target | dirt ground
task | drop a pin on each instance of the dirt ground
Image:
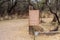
(18, 29)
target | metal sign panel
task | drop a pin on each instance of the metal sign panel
(33, 17)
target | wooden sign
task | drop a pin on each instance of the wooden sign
(33, 17)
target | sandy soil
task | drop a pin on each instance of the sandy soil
(18, 30)
(14, 30)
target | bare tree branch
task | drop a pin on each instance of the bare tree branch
(52, 11)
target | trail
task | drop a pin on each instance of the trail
(18, 30)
